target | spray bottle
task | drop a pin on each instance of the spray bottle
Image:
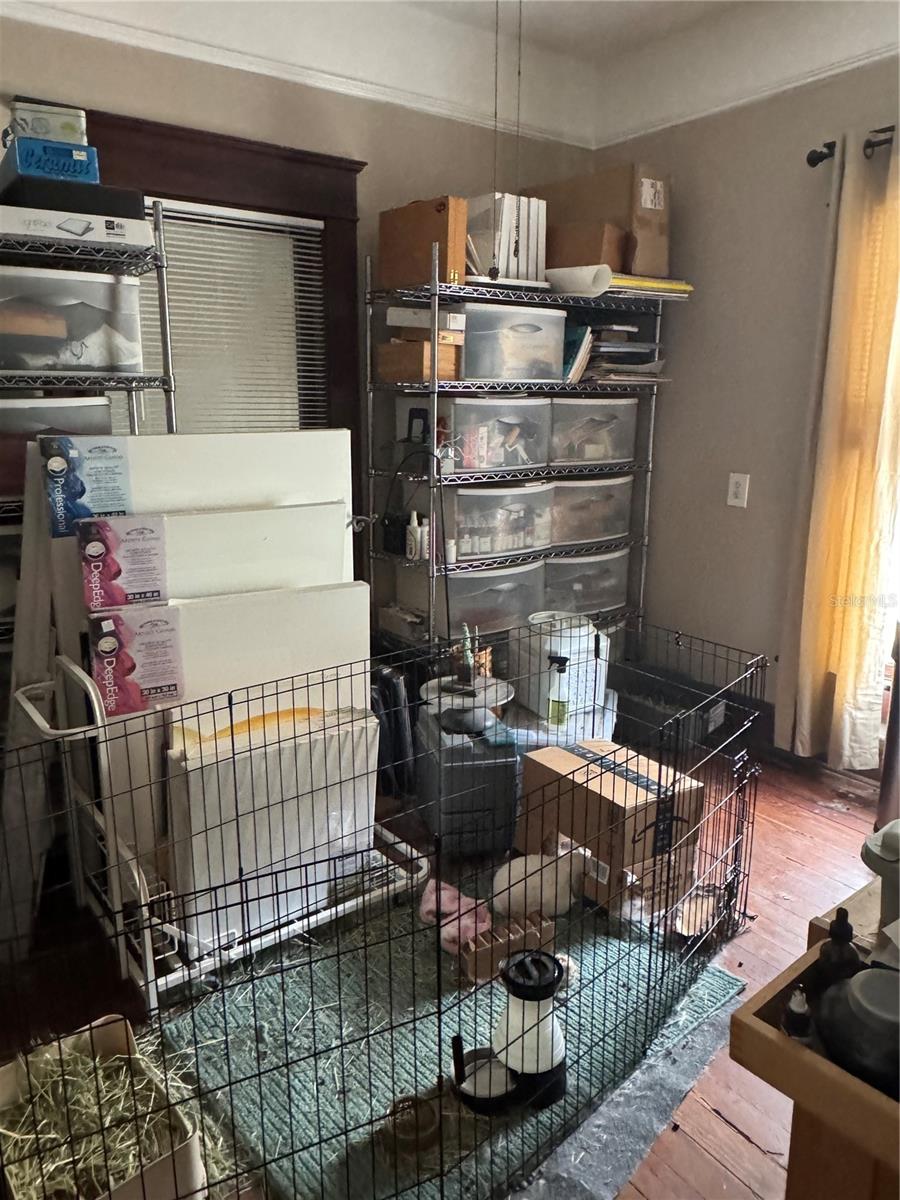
(558, 699)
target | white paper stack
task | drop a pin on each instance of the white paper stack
(258, 806)
(509, 232)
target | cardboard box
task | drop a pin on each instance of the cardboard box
(406, 235)
(410, 362)
(587, 243)
(625, 808)
(179, 1173)
(93, 229)
(633, 196)
(445, 337)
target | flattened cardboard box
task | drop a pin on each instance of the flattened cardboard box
(625, 808)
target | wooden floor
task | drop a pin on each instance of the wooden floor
(729, 1138)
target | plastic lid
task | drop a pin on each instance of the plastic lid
(874, 997)
(531, 974)
(886, 842)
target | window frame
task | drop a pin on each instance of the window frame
(196, 166)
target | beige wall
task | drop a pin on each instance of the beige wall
(410, 154)
(748, 230)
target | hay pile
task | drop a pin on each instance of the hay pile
(85, 1125)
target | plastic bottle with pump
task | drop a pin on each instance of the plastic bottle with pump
(412, 536)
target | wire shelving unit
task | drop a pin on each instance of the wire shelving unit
(436, 473)
(112, 260)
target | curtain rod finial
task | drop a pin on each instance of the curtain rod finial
(814, 157)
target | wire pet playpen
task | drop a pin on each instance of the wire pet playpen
(338, 980)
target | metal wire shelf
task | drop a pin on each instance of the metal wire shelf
(11, 510)
(616, 299)
(118, 381)
(517, 475)
(498, 562)
(506, 387)
(117, 260)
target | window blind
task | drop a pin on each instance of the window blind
(246, 306)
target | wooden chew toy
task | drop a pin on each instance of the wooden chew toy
(482, 957)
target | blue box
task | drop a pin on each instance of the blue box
(49, 160)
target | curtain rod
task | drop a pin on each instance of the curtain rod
(877, 138)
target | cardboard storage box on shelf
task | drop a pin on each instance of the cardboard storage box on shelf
(626, 809)
(406, 235)
(178, 1173)
(591, 243)
(92, 229)
(633, 196)
(410, 362)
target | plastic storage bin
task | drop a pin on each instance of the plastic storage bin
(496, 521)
(52, 122)
(589, 510)
(596, 583)
(584, 430)
(481, 433)
(492, 600)
(68, 320)
(508, 342)
(466, 788)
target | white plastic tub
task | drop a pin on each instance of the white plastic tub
(492, 601)
(501, 520)
(558, 634)
(590, 510)
(68, 320)
(586, 430)
(597, 583)
(505, 341)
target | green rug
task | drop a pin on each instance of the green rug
(299, 1057)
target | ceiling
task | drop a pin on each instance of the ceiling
(590, 30)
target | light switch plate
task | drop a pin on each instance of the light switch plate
(738, 488)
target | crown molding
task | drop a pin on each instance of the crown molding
(802, 79)
(48, 16)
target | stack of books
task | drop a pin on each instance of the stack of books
(609, 353)
(507, 232)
